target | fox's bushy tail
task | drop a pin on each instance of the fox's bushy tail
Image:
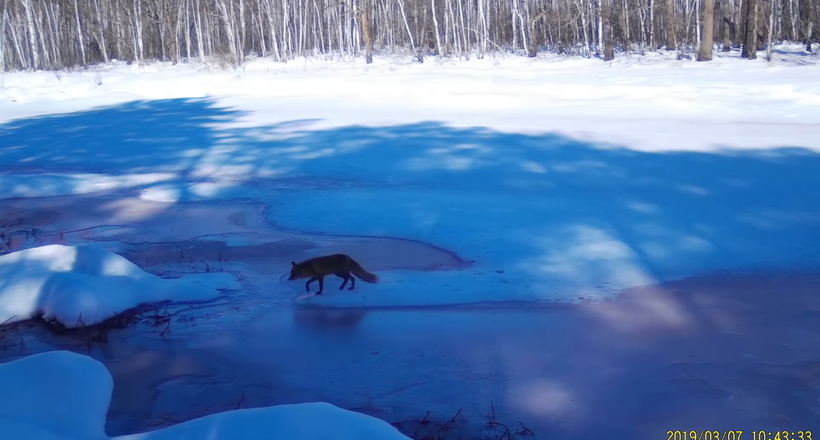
(358, 270)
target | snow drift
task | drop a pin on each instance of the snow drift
(300, 421)
(86, 285)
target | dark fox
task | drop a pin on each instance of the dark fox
(340, 265)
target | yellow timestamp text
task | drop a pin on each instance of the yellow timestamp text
(738, 435)
(704, 435)
(782, 435)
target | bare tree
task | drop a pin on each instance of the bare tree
(3, 38)
(669, 18)
(32, 35)
(750, 30)
(726, 25)
(772, 13)
(708, 33)
(368, 40)
(811, 15)
(606, 30)
(46, 34)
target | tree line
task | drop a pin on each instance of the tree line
(56, 34)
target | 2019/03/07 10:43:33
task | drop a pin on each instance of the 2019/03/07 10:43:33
(738, 435)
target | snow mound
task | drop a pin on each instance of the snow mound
(300, 421)
(84, 284)
(61, 395)
(54, 395)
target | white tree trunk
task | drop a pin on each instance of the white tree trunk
(240, 44)
(774, 7)
(18, 46)
(407, 25)
(188, 29)
(32, 35)
(227, 22)
(652, 24)
(287, 47)
(435, 27)
(138, 19)
(200, 40)
(792, 18)
(3, 38)
(600, 23)
(582, 11)
(101, 30)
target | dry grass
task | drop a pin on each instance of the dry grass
(457, 428)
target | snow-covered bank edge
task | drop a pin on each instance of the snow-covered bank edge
(86, 285)
(406, 57)
(64, 395)
(505, 92)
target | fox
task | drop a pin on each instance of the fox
(340, 265)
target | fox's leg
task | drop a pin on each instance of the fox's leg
(307, 285)
(321, 285)
(345, 276)
(352, 282)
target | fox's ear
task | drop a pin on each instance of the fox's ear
(294, 264)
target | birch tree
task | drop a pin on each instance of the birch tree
(55, 34)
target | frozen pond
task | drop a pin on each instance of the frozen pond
(510, 207)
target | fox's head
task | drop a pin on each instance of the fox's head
(296, 272)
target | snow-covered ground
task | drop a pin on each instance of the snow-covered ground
(555, 162)
(503, 182)
(632, 101)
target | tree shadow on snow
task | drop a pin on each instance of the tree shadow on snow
(547, 205)
(135, 137)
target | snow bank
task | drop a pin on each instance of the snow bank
(54, 395)
(61, 395)
(294, 422)
(73, 283)
(650, 102)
